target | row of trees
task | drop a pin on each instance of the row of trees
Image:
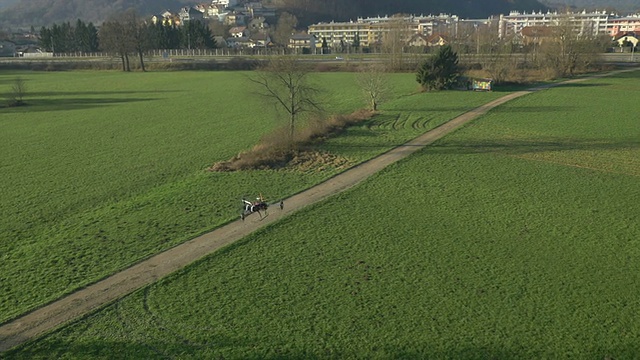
(561, 50)
(70, 38)
(125, 35)
(285, 82)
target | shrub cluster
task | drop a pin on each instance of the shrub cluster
(277, 149)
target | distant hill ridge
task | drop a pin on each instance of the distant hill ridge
(622, 6)
(46, 12)
(16, 13)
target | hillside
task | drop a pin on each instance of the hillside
(623, 6)
(7, 3)
(310, 11)
(45, 12)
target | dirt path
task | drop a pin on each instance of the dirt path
(82, 302)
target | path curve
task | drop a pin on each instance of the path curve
(112, 288)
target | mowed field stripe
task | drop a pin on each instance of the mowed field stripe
(112, 288)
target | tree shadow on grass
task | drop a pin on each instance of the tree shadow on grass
(505, 147)
(66, 104)
(580, 84)
(534, 109)
(626, 75)
(432, 109)
(93, 93)
(516, 147)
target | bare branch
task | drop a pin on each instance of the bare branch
(285, 80)
(374, 83)
(18, 91)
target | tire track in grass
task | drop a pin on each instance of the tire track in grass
(111, 289)
(578, 166)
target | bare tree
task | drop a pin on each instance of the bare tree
(115, 39)
(570, 47)
(497, 55)
(395, 40)
(18, 91)
(137, 33)
(285, 80)
(285, 27)
(218, 28)
(374, 82)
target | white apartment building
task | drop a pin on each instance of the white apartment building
(372, 30)
(586, 23)
(225, 3)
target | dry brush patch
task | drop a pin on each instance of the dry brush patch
(277, 150)
(526, 76)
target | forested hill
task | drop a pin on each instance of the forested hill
(7, 3)
(622, 6)
(46, 12)
(38, 13)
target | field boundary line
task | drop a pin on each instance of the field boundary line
(92, 297)
(546, 161)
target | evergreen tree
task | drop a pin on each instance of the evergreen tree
(172, 37)
(195, 34)
(45, 39)
(356, 41)
(92, 38)
(67, 39)
(440, 71)
(81, 35)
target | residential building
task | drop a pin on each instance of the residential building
(214, 10)
(301, 42)
(627, 39)
(536, 35)
(235, 18)
(624, 25)
(189, 13)
(261, 39)
(585, 23)
(238, 31)
(225, 3)
(241, 42)
(372, 30)
(258, 24)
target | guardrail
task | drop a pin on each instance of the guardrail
(223, 55)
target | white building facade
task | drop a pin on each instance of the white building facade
(225, 3)
(585, 23)
(371, 31)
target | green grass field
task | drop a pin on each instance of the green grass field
(515, 237)
(104, 169)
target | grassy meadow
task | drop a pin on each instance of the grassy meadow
(103, 169)
(515, 237)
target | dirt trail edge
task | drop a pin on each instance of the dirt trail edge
(92, 297)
